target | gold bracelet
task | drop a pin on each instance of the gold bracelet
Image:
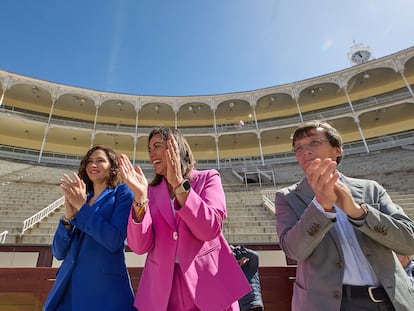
(142, 207)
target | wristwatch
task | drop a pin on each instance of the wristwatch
(183, 187)
(65, 221)
(365, 209)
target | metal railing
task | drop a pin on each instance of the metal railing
(36, 218)
(3, 236)
(268, 197)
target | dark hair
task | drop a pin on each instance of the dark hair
(114, 177)
(187, 159)
(306, 130)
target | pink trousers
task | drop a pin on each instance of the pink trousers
(180, 298)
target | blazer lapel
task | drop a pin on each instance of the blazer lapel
(163, 203)
(97, 204)
(355, 187)
(300, 198)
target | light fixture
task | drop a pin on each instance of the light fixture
(35, 91)
(80, 99)
(313, 91)
(190, 107)
(366, 75)
(157, 108)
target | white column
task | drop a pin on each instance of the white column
(94, 124)
(259, 138)
(355, 116)
(135, 136)
(399, 67)
(295, 95)
(5, 88)
(54, 98)
(216, 140)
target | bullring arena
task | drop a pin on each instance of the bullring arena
(45, 128)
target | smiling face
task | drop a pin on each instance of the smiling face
(314, 143)
(157, 147)
(98, 166)
(94, 165)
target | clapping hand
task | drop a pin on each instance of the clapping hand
(174, 174)
(134, 178)
(75, 194)
(322, 177)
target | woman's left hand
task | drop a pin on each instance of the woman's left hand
(173, 159)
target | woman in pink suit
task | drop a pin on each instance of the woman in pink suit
(177, 220)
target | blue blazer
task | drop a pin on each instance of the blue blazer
(93, 274)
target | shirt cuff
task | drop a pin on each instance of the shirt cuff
(330, 215)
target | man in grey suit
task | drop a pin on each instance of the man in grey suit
(342, 232)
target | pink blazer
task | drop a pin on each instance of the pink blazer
(194, 239)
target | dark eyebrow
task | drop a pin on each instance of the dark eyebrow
(97, 158)
(157, 143)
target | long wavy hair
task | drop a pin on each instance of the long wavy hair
(188, 161)
(114, 177)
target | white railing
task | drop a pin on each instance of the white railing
(31, 221)
(268, 197)
(3, 236)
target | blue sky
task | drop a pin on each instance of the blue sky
(194, 47)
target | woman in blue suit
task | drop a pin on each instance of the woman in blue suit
(90, 238)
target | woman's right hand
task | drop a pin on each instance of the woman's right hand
(70, 211)
(75, 191)
(134, 178)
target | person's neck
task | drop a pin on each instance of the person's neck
(98, 188)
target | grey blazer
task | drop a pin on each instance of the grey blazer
(309, 237)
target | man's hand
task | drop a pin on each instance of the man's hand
(322, 176)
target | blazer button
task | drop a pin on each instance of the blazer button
(175, 235)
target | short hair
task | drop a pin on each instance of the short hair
(187, 159)
(306, 130)
(114, 178)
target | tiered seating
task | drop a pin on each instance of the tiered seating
(248, 221)
(28, 188)
(392, 168)
(25, 190)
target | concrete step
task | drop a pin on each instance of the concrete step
(248, 230)
(248, 218)
(251, 223)
(251, 238)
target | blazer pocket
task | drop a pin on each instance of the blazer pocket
(209, 256)
(208, 250)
